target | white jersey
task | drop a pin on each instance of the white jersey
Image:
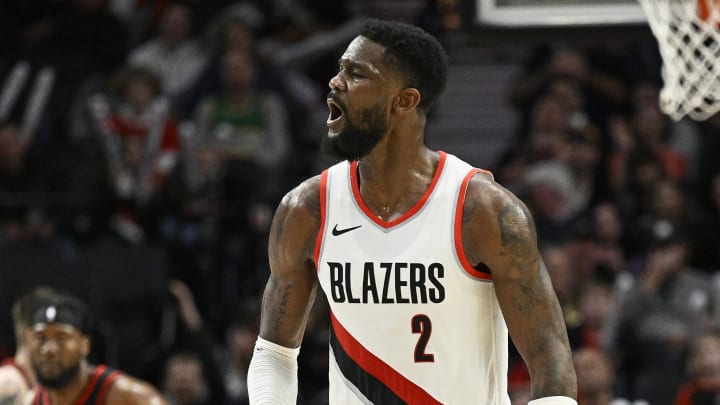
(412, 321)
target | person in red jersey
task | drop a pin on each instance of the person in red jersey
(59, 348)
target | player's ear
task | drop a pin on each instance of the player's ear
(85, 346)
(407, 100)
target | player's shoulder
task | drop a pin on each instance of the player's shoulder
(304, 198)
(127, 390)
(10, 376)
(13, 387)
(486, 196)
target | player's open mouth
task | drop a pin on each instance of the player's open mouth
(336, 112)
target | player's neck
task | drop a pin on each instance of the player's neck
(69, 394)
(392, 182)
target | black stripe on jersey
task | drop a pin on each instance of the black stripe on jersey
(100, 383)
(371, 387)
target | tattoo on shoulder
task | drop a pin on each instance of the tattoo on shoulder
(516, 224)
(517, 232)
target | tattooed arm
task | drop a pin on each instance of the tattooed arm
(288, 297)
(290, 290)
(499, 231)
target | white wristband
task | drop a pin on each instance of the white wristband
(272, 375)
(553, 401)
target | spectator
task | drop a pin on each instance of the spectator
(583, 156)
(595, 306)
(551, 196)
(240, 341)
(191, 372)
(668, 305)
(183, 380)
(140, 138)
(703, 372)
(174, 54)
(248, 126)
(78, 39)
(669, 202)
(251, 123)
(607, 250)
(596, 379)
(600, 91)
(565, 282)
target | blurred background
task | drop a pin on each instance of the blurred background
(144, 145)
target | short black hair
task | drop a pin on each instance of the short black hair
(418, 55)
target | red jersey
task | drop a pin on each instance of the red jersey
(95, 391)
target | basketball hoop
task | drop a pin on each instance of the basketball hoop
(688, 35)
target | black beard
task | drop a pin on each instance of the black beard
(354, 142)
(60, 380)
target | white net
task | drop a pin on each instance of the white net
(688, 35)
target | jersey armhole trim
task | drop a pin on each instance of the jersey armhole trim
(90, 386)
(323, 220)
(109, 381)
(457, 231)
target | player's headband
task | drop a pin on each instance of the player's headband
(61, 313)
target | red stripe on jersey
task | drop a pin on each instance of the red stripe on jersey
(389, 224)
(106, 386)
(401, 386)
(459, 248)
(90, 385)
(323, 210)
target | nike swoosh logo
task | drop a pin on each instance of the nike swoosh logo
(337, 232)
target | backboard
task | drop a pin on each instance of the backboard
(528, 13)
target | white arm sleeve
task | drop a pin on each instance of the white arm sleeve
(272, 375)
(553, 401)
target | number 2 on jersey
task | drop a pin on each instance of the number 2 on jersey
(421, 324)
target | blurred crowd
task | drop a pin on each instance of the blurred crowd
(145, 143)
(627, 207)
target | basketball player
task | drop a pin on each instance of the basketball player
(58, 353)
(426, 262)
(16, 375)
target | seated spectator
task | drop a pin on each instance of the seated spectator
(174, 54)
(667, 306)
(248, 129)
(239, 341)
(183, 380)
(566, 282)
(191, 373)
(551, 196)
(140, 138)
(595, 308)
(596, 379)
(249, 122)
(703, 373)
(599, 91)
(607, 241)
